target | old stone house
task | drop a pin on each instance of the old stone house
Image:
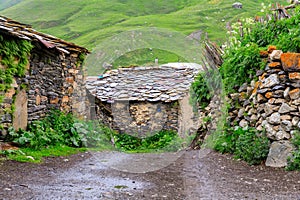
(53, 77)
(143, 100)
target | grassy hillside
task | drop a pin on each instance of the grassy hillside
(89, 22)
(8, 3)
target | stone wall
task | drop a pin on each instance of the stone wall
(272, 103)
(53, 80)
(13, 111)
(141, 118)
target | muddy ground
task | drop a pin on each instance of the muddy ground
(194, 175)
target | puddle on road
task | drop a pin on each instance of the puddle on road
(137, 163)
(88, 179)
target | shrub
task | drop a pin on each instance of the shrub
(127, 142)
(159, 141)
(246, 144)
(240, 65)
(60, 128)
(226, 140)
(282, 33)
(205, 85)
(251, 146)
(242, 59)
(294, 159)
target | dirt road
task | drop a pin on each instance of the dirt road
(191, 175)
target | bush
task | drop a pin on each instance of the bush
(246, 144)
(242, 59)
(226, 140)
(205, 85)
(294, 160)
(283, 33)
(240, 65)
(60, 128)
(159, 141)
(251, 146)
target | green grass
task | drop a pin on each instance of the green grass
(87, 22)
(90, 22)
(146, 57)
(36, 156)
(8, 3)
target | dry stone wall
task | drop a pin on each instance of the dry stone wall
(272, 103)
(55, 81)
(138, 118)
(14, 106)
(53, 77)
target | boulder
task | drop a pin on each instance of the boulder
(290, 61)
(237, 5)
(241, 112)
(285, 108)
(285, 117)
(286, 93)
(286, 125)
(295, 121)
(275, 55)
(278, 154)
(271, 81)
(243, 123)
(274, 65)
(274, 118)
(281, 135)
(271, 48)
(294, 76)
(261, 98)
(294, 94)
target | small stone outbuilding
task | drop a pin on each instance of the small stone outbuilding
(53, 77)
(143, 100)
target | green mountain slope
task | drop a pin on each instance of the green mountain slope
(88, 22)
(8, 3)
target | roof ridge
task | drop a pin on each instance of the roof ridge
(25, 31)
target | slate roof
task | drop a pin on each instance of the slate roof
(24, 31)
(162, 83)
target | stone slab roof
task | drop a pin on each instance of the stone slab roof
(24, 31)
(163, 83)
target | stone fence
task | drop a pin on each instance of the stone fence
(272, 103)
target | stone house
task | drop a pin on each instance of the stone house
(53, 77)
(143, 100)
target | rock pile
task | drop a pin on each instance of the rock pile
(272, 103)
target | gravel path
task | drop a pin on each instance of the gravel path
(188, 175)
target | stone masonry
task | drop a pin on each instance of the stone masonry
(144, 100)
(272, 103)
(54, 78)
